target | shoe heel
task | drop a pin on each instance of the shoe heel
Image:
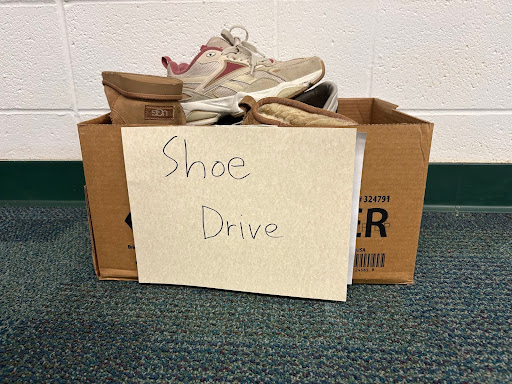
(143, 99)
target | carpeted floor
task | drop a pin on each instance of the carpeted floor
(59, 323)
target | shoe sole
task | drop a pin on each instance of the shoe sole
(229, 105)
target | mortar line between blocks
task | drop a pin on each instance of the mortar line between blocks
(455, 112)
(37, 111)
(276, 24)
(374, 39)
(61, 11)
(20, 4)
(52, 111)
(95, 2)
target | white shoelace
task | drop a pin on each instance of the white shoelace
(242, 49)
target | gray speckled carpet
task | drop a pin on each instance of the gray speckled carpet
(59, 323)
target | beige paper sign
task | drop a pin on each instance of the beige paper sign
(246, 208)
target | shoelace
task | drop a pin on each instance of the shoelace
(242, 49)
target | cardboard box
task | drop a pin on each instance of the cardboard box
(391, 203)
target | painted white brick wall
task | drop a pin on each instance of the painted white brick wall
(446, 61)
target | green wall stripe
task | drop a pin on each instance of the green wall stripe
(448, 185)
(42, 180)
(477, 185)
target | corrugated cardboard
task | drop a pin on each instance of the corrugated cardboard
(392, 190)
(107, 200)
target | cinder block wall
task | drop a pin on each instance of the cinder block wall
(446, 61)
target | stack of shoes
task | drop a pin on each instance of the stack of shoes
(228, 81)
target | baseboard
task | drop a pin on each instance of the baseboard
(51, 181)
(469, 187)
(450, 187)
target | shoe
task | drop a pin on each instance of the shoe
(323, 95)
(290, 113)
(143, 99)
(227, 69)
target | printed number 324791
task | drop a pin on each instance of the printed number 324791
(374, 199)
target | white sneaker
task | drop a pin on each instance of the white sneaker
(227, 69)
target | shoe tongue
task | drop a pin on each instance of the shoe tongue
(217, 42)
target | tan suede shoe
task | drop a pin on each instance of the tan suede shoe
(289, 113)
(143, 99)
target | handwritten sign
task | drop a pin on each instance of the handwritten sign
(247, 208)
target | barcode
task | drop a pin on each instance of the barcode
(369, 260)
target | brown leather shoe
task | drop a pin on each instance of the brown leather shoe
(289, 113)
(143, 99)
